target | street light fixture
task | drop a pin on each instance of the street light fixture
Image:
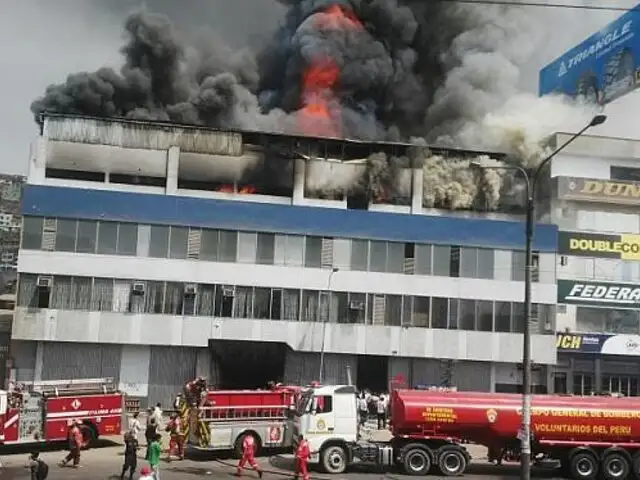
(531, 182)
(324, 323)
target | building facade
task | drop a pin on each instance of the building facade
(595, 206)
(138, 262)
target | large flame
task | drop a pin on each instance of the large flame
(320, 114)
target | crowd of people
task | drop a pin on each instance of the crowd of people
(373, 406)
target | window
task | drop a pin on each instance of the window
(107, 238)
(159, 241)
(154, 297)
(627, 174)
(247, 247)
(454, 261)
(310, 306)
(27, 290)
(393, 310)
(503, 317)
(469, 262)
(291, 305)
(454, 320)
(61, 293)
(324, 404)
(583, 384)
(395, 257)
(421, 307)
(276, 304)
(32, 232)
(262, 303)
(467, 315)
(355, 308)
(439, 312)
(293, 249)
(127, 239)
(173, 298)
(243, 302)
(560, 382)
(205, 299)
(486, 263)
(81, 293)
(517, 317)
(102, 295)
(313, 252)
(377, 256)
(518, 264)
(224, 300)
(66, 231)
(228, 250)
(484, 316)
(441, 261)
(359, 255)
(87, 235)
(178, 242)
(423, 260)
(266, 248)
(209, 245)
(407, 311)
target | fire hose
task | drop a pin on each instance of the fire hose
(271, 472)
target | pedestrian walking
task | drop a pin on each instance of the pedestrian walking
(74, 437)
(130, 455)
(381, 407)
(302, 459)
(155, 451)
(135, 427)
(176, 439)
(248, 456)
(149, 434)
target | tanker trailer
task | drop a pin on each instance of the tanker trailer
(589, 436)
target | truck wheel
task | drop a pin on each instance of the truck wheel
(452, 461)
(584, 466)
(615, 466)
(334, 459)
(416, 461)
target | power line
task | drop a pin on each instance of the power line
(543, 5)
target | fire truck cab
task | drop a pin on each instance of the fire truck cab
(43, 411)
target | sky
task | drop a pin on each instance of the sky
(41, 41)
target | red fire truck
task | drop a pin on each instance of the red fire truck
(225, 417)
(43, 411)
(590, 436)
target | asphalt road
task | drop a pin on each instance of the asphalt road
(105, 462)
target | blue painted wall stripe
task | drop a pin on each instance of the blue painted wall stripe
(152, 209)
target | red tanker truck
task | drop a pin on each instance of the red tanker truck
(589, 436)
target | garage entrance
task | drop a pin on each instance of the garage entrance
(248, 365)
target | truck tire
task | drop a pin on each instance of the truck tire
(416, 460)
(333, 459)
(615, 466)
(584, 466)
(452, 460)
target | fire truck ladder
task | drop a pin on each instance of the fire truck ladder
(74, 387)
(245, 412)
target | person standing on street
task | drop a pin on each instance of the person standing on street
(157, 414)
(381, 408)
(75, 439)
(135, 427)
(155, 450)
(248, 456)
(130, 455)
(39, 469)
(302, 459)
(149, 434)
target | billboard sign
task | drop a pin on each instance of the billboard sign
(599, 294)
(598, 343)
(603, 67)
(598, 191)
(599, 245)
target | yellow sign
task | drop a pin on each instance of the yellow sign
(612, 430)
(577, 413)
(321, 425)
(569, 342)
(439, 415)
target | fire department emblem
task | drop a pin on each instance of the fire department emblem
(76, 404)
(492, 415)
(275, 434)
(321, 425)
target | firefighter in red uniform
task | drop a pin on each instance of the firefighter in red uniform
(75, 439)
(248, 452)
(302, 459)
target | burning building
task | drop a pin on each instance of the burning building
(153, 252)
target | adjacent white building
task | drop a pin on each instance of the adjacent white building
(132, 266)
(596, 209)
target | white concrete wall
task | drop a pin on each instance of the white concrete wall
(134, 329)
(90, 265)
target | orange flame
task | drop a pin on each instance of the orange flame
(225, 189)
(247, 189)
(228, 188)
(320, 78)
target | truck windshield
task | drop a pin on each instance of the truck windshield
(304, 402)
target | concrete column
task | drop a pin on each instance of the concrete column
(598, 375)
(37, 372)
(38, 160)
(173, 161)
(299, 176)
(417, 190)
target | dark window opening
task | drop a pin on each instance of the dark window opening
(454, 261)
(142, 180)
(357, 202)
(627, 174)
(74, 175)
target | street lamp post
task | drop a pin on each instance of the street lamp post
(324, 324)
(531, 182)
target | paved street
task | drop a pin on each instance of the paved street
(105, 463)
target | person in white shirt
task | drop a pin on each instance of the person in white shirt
(157, 414)
(135, 427)
(364, 410)
(381, 410)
